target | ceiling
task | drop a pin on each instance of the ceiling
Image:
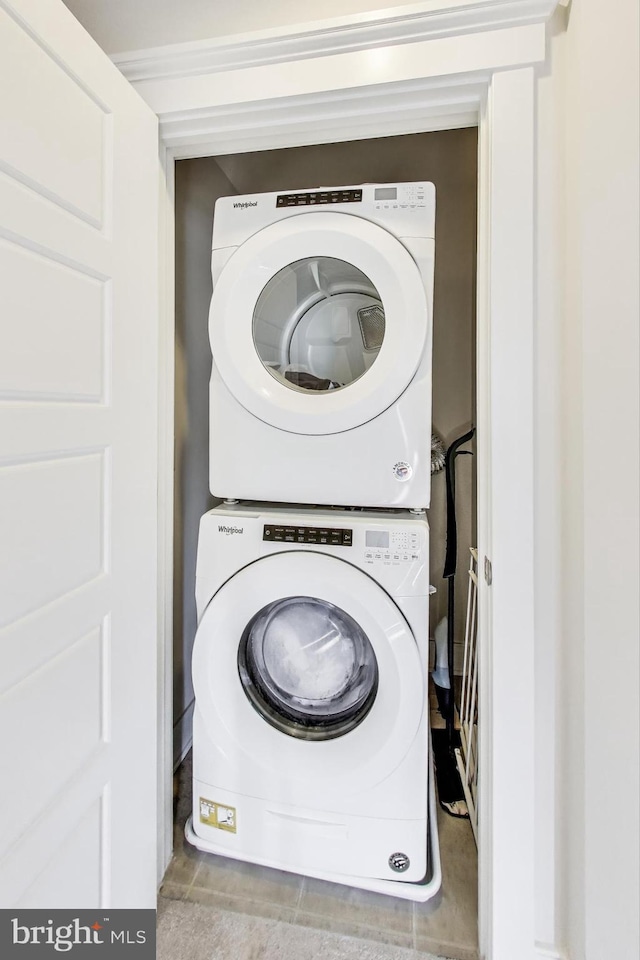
(124, 25)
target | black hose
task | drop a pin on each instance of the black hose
(450, 564)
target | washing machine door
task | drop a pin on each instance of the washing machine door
(304, 654)
(318, 322)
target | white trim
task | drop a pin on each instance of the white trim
(177, 99)
(297, 121)
(407, 24)
(545, 952)
(484, 530)
(504, 102)
(507, 762)
(166, 350)
(183, 735)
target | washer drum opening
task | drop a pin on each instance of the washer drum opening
(308, 668)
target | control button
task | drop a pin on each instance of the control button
(332, 536)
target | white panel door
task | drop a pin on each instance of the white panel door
(78, 408)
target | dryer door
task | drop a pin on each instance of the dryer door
(303, 654)
(318, 322)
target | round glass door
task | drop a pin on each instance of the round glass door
(318, 324)
(308, 668)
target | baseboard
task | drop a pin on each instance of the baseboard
(183, 735)
(545, 951)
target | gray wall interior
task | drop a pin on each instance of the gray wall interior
(449, 159)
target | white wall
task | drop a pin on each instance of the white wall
(121, 25)
(599, 795)
(587, 495)
(549, 445)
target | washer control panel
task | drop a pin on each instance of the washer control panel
(391, 552)
(402, 196)
(391, 546)
(332, 536)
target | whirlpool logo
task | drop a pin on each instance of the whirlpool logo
(46, 933)
(229, 531)
(245, 204)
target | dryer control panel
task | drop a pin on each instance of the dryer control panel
(405, 210)
(316, 197)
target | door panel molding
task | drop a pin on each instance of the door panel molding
(78, 465)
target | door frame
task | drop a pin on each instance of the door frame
(500, 98)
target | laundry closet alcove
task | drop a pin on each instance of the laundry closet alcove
(448, 159)
(408, 75)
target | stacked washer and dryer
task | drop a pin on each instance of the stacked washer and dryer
(311, 746)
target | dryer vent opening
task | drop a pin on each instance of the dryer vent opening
(371, 320)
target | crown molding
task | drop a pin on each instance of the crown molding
(427, 20)
(398, 108)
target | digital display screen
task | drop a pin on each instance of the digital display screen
(377, 538)
(385, 193)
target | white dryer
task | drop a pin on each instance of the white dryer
(321, 329)
(311, 748)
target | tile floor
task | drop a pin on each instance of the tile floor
(446, 925)
(190, 931)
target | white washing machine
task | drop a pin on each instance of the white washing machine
(321, 328)
(311, 745)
